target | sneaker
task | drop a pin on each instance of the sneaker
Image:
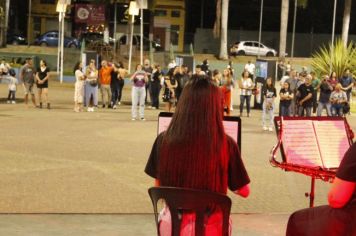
(8, 102)
(150, 107)
(143, 119)
(264, 128)
(13, 102)
(133, 119)
(114, 107)
(270, 129)
(119, 103)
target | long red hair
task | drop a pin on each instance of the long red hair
(194, 149)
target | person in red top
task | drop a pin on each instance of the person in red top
(105, 80)
(195, 152)
(226, 90)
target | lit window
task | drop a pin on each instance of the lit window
(160, 12)
(175, 13)
(174, 34)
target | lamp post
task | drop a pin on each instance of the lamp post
(133, 11)
(294, 22)
(260, 30)
(61, 9)
(332, 38)
(141, 4)
(29, 22)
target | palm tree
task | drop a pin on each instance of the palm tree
(283, 30)
(223, 37)
(4, 18)
(346, 21)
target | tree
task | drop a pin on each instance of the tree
(4, 16)
(283, 29)
(346, 21)
(221, 26)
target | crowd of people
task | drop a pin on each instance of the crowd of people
(28, 77)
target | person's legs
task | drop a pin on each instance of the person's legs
(321, 220)
(9, 96)
(102, 93)
(242, 101)
(108, 90)
(248, 106)
(328, 108)
(319, 110)
(33, 98)
(333, 110)
(121, 86)
(271, 117)
(300, 111)
(39, 91)
(142, 95)
(134, 99)
(308, 111)
(95, 96)
(264, 109)
(13, 96)
(45, 95)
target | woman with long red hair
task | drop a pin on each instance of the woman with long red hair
(196, 153)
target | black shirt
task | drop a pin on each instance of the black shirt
(237, 176)
(325, 92)
(347, 168)
(285, 103)
(269, 92)
(43, 74)
(304, 90)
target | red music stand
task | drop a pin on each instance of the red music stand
(307, 148)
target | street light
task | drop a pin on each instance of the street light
(61, 9)
(133, 11)
(260, 30)
(332, 38)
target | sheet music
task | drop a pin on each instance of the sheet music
(231, 128)
(163, 123)
(300, 143)
(333, 142)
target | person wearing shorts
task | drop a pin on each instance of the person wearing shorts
(27, 75)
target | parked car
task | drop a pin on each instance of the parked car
(91, 37)
(136, 42)
(251, 48)
(50, 38)
(15, 39)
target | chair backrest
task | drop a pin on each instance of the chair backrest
(198, 201)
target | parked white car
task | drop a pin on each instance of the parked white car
(251, 48)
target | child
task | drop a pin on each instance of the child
(12, 86)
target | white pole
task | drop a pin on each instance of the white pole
(62, 47)
(131, 39)
(141, 38)
(260, 30)
(332, 38)
(59, 41)
(294, 22)
(115, 16)
(29, 22)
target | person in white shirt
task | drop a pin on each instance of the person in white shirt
(246, 85)
(11, 98)
(250, 67)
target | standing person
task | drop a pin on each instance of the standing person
(148, 69)
(42, 77)
(155, 86)
(27, 75)
(177, 74)
(186, 74)
(105, 81)
(316, 85)
(11, 98)
(196, 153)
(118, 75)
(91, 86)
(169, 95)
(246, 85)
(269, 93)
(139, 80)
(250, 67)
(333, 81)
(79, 87)
(347, 82)
(232, 72)
(286, 96)
(288, 67)
(217, 77)
(293, 82)
(226, 88)
(4, 68)
(305, 97)
(324, 97)
(338, 98)
(205, 67)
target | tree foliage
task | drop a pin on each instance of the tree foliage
(338, 55)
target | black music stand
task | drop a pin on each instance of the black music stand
(315, 172)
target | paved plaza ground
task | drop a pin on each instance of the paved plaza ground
(84, 172)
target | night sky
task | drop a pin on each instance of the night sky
(244, 14)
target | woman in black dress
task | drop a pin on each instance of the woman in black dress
(42, 76)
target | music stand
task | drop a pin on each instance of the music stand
(306, 148)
